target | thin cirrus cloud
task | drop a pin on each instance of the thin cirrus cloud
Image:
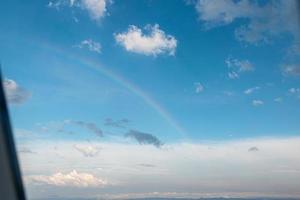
(237, 67)
(251, 90)
(15, 94)
(154, 43)
(71, 179)
(144, 138)
(97, 9)
(90, 45)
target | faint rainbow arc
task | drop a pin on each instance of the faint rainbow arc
(125, 83)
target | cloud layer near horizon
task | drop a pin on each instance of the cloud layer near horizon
(214, 167)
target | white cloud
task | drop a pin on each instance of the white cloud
(15, 94)
(225, 166)
(198, 87)
(97, 9)
(257, 102)
(236, 67)
(264, 21)
(154, 43)
(90, 45)
(88, 150)
(71, 179)
(251, 90)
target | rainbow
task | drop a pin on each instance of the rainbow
(147, 98)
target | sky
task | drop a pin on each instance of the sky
(176, 98)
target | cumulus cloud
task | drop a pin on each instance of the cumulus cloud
(236, 67)
(90, 45)
(87, 150)
(257, 102)
(264, 21)
(122, 123)
(154, 43)
(291, 70)
(97, 9)
(15, 94)
(144, 138)
(198, 87)
(71, 179)
(251, 90)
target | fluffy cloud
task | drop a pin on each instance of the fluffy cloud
(96, 8)
(251, 90)
(144, 138)
(71, 179)
(90, 45)
(236, 67)
(264, 21)
(87, 150)
(199, 87)
(257, 102)
(154, 43)
(15, 94)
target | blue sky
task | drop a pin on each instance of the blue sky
(150, 73)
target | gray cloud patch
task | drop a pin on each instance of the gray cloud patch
(144, 138)
(15, 94)
(122, 123)
(253, 149)
(89, 126)
(146, 165)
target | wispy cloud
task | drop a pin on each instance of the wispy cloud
(88, 125)
(97, 9)
(264, 21)
(154, 43)
(236, 67)
(278, 99)
(251, 90)
(122, 123)
(257, 102)
(90, 45)
(144, 138)
(15, 94)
